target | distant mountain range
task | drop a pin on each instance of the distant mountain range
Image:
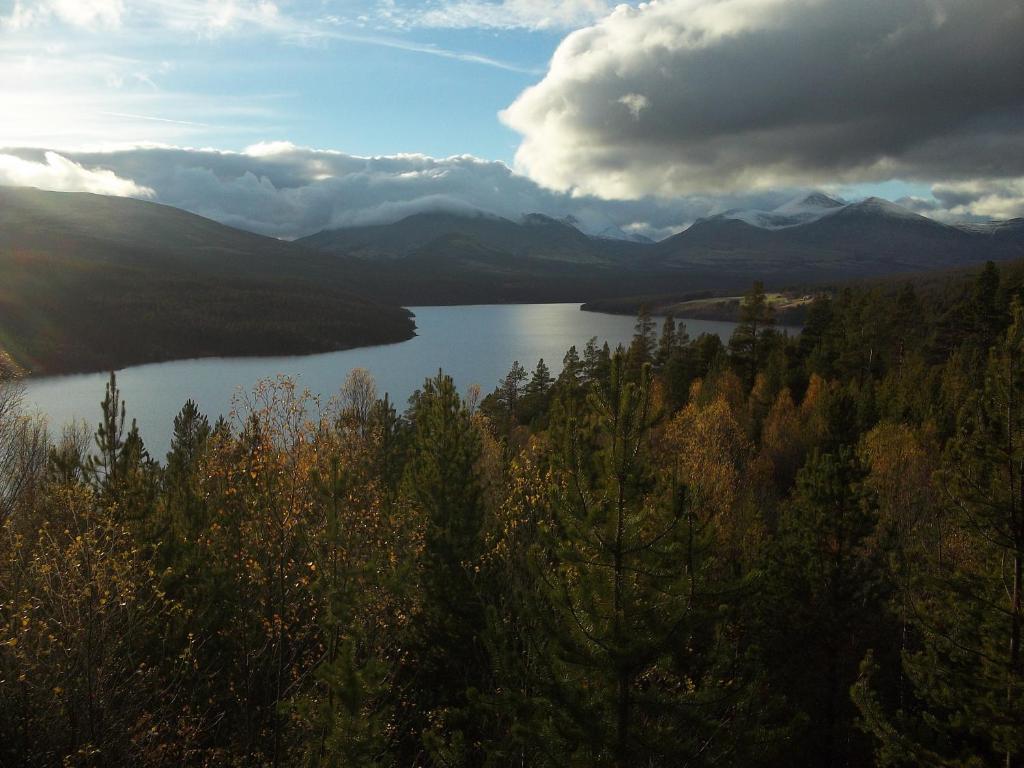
(811, 237)
(535, 236)
(90, 282)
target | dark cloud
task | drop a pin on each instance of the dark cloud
(701, 96)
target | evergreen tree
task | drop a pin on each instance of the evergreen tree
(188, 442)
(669, 343)
(572, 370)
(644, 344)
(625, 572)
(121, 469)
(967, 674)
(906, 324)
(986, 314)
(747, 340)
(824, 606)
(441, 481)
(510, 392)
(596, 362)
(535, 393)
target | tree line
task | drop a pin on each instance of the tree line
(775, 551)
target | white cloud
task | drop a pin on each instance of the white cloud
(79, 13)
(282, 190)
(507, 14)
(635, 103)
(56, 172)
(761, 94)
(279, 189)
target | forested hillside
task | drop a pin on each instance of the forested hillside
(780, 551)
(90, 282)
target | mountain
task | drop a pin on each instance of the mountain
(870, 237)
(89, 282)
(458, 258)
(800, 210)
(617, 233)
(535, 236)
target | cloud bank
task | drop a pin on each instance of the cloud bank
(58, 173)
(282, 190)
(676, 97)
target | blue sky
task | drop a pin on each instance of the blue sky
(361, 77)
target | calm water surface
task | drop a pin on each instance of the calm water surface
(474, 344)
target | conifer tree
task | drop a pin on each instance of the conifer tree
(747, 341)
(826, 581)
(442, 483)
(572, 370)
(967, 675)
(986, 314)
(668, 344)
(535, 393)
(645, 342)
(625, 571)
(510, 392)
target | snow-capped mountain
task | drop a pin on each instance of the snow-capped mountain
(802, 209)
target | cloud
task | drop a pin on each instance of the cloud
(206, 18)
(78, 13)
(282, 190)
(676, 97)
(279, 189)
(508, 14)
(58, 173)
(981, 199)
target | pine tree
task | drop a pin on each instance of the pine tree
(668, 344)
(442, 483)
(510, 392)
(747, 340)
(625, 592)
(967, 674)
(572, 370)
(644, 344)
(191, 433)
(103, 467)
(121, 469)
(596, 362)
(986, 314)
(535, 393)
(824, 605)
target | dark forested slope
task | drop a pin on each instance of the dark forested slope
(90, 282)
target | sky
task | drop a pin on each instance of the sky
(288, 116)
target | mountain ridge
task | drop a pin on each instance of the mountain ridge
(90, 282)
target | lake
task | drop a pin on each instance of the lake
(474, 344)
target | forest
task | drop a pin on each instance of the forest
(774, 551)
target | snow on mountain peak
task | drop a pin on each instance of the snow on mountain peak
(879, 205)
(802, 209)
(803, 205)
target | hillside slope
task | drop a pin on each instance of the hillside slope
(89, 282)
